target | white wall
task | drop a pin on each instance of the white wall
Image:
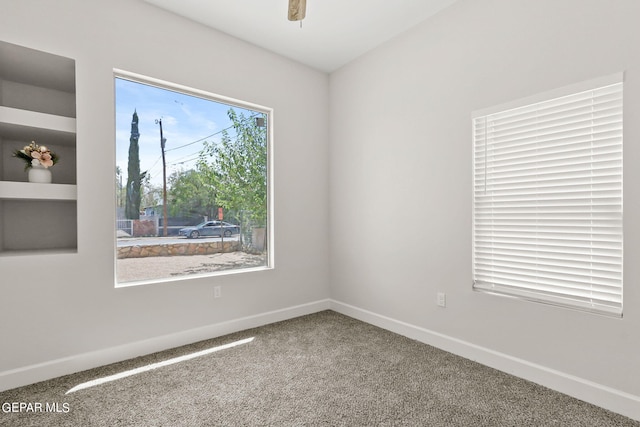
(401, 177)
(59, 306)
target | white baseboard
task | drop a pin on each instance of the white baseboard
(68, 365)
(605, 397)
(588, 391)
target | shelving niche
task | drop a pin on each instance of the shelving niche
(37, 103)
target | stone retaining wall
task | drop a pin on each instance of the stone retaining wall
(173, 249)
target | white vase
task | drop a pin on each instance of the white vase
(39, 174)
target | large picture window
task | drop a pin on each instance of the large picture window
(547, 199)
(192, 182)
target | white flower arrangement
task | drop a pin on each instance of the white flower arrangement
(36, 155)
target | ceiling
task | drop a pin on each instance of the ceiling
(333, 33)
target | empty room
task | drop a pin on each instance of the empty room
(320, 212)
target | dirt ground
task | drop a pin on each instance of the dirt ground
(150, 268)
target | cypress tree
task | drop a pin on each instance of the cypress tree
(134, 178)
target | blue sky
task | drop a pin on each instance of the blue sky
(187, 121)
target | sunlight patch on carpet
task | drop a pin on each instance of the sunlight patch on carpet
(157, 365)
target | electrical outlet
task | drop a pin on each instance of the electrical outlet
(442, 299)
(217, 291)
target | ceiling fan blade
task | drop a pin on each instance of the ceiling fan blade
(297, 10)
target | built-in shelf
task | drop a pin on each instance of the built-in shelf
(37, 191)
(37, 103)
(33, 119)
(36, 252)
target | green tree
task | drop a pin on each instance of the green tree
(191, 193)
(151, 194)
(238, 167)
(120, 192)
(134, 177)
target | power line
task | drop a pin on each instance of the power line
(213, 134)
(184, 161)
(187, 158)
(155, 163)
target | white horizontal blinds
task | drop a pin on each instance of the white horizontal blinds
(548, 201)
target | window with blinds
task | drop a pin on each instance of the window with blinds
(547, 198)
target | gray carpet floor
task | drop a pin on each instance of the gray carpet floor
(324, 369)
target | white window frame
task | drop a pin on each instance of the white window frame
(270, 233)
(547, 197)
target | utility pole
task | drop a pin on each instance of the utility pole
(165, 216)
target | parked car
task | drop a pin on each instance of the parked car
(210, 228)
